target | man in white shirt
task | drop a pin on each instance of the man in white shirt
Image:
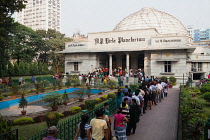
(127, 77)
(20, 80)
(159, 91)
(80, 79)
(136, 97)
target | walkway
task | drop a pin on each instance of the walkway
(160, 123)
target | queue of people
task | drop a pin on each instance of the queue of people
(130, 107)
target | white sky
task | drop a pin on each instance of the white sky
(103, 15)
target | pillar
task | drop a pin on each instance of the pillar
(147, 64)
(127, 62)
(110, 64)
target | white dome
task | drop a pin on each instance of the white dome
(152, 18)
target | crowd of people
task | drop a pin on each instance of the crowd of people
(130, 107)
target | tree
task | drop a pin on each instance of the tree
(25, 43)
(54, 42)
(7, 8)
(16, 70)
(10, 69)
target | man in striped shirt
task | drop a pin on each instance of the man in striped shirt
(125, 112)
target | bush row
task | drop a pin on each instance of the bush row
(192, 116)
(89, 104)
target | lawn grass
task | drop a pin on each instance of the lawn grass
(28, 131)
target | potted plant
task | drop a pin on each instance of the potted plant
(53, 99)
(65, 97)
(38, 87)
(22, 104)
(15, 90)
(88, 90)
(80, 93)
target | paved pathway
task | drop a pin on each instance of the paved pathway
(160, 123)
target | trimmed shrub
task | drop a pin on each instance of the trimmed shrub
(90, 104)
(206, 96)
(172, 79)
(98, 100)
(83, 106)
(164, 78)
(105, 96)
(40, 118)
(75, 109)
(23, 120)
(112, 95)
(67, 113)
(52, 118)
(102, 99)
(204, 89)
(61, 115)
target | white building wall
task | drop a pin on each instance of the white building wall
(87, 62)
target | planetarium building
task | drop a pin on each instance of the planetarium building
(149, 39)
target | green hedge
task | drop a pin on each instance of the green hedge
(192, 116)
(90, 104)
(206, 96)
(75, 109)
(112, 95)
(23, 120)
(204, 89)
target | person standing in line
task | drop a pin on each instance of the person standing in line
(106, 107)
(136, 97)
(126, 112)
(120, 121)
(129, 99)
(124, 90)
(121, 79)
(127, 77)
(99, 127)
(133, 117)
(153, 91)
(52, 133)
(149, 93)
(119, 98)
(83, 130)
(159, 91)
(20, 80)
(166, 89)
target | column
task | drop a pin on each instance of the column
(127, 62)
(110, 64)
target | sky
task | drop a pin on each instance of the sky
(88, 16)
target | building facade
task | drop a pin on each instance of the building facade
(199, 34)
(41, 14)
(149, 39)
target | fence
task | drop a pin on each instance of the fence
(68, 128)
(11, 135)
(207, 131)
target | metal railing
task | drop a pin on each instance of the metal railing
(68, 128)
(11, 135)
(207, 131)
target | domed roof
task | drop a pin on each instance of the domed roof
(152, 18)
